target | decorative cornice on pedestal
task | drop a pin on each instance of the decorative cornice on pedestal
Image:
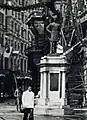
(48, 60)
(51, 61)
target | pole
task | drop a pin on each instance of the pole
(69, 50)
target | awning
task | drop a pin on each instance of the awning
(2, 75)
(3, 72)
(26, 77)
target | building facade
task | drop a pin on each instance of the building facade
(2, 23)
(15, 34)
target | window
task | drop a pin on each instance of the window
(18, 64)
(15, 14)
(6, 63)
(24, 34)
(85, 52)
(22, 31)
(16, 27)
(18, 46)
(22, 17)
(16, 0)
(21, 47)
(11, 42)
(19, 15)
(18, 30)
(12, 12)
(25, 17)
(1, 20)
(1, 2)
(25, 65)
(60, 84)
(15, 45)
(12, 25)
(20, 2)
(2, 62)
(7, 41)
(11, 63)
(15, 64)
(25, 48)
(1, 38)
(26, 3)
(21, 65)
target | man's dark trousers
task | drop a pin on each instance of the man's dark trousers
(28, 111)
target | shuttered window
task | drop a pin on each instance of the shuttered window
(1, 20)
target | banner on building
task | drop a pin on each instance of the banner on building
(7, 52)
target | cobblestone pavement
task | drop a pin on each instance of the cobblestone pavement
(9, 112)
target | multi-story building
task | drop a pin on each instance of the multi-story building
(2, 23)
(16, 41)
(77, 75)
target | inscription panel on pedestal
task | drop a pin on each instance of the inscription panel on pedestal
(54, 81)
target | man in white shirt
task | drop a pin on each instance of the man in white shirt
(28, 103)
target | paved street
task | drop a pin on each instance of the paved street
(8, 112)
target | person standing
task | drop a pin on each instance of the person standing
(2, 96)
(28, 104)
(16, 94)
(20, 98)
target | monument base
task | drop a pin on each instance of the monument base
(53, 99)
(46, 110)
(53, 110)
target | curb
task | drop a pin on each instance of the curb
(74, 116)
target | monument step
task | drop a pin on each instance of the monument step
(48, 111)
(53, 111)
(54, 104)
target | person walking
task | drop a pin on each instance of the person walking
(28, 103)
(18, 95)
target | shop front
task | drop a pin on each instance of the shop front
(24, 82)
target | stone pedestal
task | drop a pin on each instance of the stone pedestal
(52, 85)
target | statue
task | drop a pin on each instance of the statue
(55, 30)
